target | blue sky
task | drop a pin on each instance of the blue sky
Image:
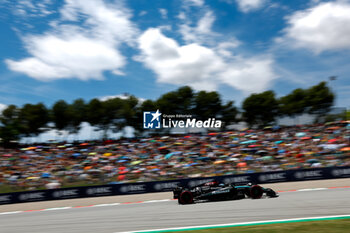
(73, 49)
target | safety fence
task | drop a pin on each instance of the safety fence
(164, 186)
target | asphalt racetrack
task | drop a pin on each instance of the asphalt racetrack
(167, 214)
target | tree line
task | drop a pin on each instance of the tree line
(114, 114)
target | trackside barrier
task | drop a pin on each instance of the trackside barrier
(163, 186)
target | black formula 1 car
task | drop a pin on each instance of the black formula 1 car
(214, 191)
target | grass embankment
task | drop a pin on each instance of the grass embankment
(323, 226)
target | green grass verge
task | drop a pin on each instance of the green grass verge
(324, 226)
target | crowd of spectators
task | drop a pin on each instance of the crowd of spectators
(54, 164)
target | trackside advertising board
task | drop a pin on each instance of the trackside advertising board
(169, 185)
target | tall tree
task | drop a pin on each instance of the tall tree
(33, 118)
(60, 115)
(294, 103)
(148, 105)
(177, 102)
(319, 99)
(260, 109)
(186, 98)
(96, 114)
(207, 105)
(228, 113)
(113, 113)
(9, 124)
(77, 113)
(129, 111)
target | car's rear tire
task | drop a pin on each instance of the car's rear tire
(256, 192)
(186, 197)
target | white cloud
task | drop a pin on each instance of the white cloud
(191, 28)
(315, 1)
(224, 48)
(190, 64)
(108, 22)
(65, 57)
(142, 13)
(181, 15)
(85, 42)
(325, 26)
(83, 52)
(31, 8)
(206, 60)
(195, 2)
(201, 32)
(205, 23)
(202, 67)
(2, 107)
(120, 96)
(249, 5)
(164, 13)
(165, 27)
(249, 74)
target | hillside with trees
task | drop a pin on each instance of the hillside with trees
(257, 110)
